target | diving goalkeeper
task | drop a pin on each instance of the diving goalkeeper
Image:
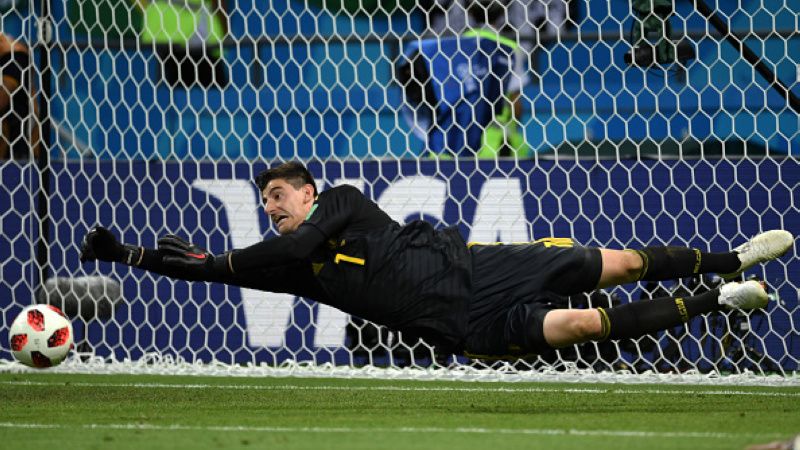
(339, 248)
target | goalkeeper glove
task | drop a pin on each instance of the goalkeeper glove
(100, 243)
(184, 255)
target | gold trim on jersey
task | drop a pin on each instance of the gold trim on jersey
(547, 242)
(350, 259)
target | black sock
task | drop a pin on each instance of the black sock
(637, 319)
(668, 263)
(719, 262)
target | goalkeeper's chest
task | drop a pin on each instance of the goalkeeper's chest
(340, 257)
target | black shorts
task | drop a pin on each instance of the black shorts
(516, 285)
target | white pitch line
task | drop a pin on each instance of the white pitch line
(498, 389)
(412, 430)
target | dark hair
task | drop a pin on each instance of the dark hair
(292, 172)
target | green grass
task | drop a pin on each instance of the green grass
(137, 412)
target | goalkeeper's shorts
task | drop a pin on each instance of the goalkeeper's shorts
(516, 285)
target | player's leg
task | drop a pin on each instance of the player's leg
(665, 263)
(661, 263)
(563, 327)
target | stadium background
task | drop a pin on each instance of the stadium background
(319, 87)
(305, 83)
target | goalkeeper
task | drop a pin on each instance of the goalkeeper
(339, 248)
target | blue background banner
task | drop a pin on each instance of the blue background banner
(712, 204)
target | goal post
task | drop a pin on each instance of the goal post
(700, 153)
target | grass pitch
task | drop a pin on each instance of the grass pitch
(162, 412)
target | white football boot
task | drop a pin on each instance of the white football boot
(746, 295)
(764, 247)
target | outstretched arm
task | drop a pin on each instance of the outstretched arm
(294, 278)
(333, 211)
(276, 251)
(192, 261)
(177, 258)
(100, 244)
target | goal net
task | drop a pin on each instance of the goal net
(619, 125)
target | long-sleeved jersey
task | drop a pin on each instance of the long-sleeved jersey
(350, 254)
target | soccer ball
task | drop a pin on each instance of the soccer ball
(41, 336)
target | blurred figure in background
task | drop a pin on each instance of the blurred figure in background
(530, 20)
(463, 93)
(190, 34)
(20, 130)
(503, 135)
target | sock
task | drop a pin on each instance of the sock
(667, 263)
(637, 319)
(719, 262)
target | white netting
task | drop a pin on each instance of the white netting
(159, 113)
(506, 372)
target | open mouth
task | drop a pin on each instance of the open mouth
(279, 218)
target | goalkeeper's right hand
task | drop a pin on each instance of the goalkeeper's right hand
(100, 243)
(191, 258)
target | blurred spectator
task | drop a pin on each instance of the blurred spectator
(502, 136)
(525, 19)
(20, 131)
(464, 92)
(190, 34)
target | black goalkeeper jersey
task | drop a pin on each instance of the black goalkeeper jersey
(351, 255)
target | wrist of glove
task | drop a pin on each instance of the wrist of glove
(100, 244)
(178, 253)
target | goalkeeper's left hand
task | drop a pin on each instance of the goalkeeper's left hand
(100, 243)
(184, 255)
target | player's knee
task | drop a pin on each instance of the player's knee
(620, 266)
(585, 327)
(629, 265)
(563, 327)
(588, 327)
(632, 264)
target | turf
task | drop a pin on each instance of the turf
(136, 412)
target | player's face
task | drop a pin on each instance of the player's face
(286, 205)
